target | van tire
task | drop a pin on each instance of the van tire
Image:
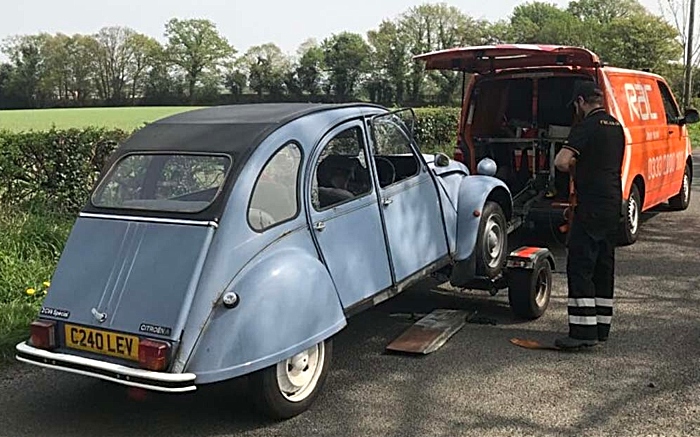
(271, 400)
(491, 241)
(630, 225)
(681, 201)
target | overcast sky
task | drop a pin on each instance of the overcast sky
(244, 23)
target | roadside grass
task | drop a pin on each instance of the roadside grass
(30, 245)
(126, 118)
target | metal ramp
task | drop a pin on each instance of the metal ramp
(429, 333)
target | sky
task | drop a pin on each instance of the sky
(245, 23)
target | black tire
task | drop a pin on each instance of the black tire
(629, 229)
(492, 241)
(529, 291)
(269, 397)
(681, 201)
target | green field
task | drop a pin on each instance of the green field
(127, 118)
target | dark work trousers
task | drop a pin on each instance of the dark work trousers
(591, 279)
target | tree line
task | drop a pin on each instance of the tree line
(197, 65)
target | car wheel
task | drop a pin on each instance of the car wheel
(630, 225)
(289, 387)
(492, 241)
(529, 291)
(681, 201)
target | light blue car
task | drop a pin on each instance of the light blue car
(237, 240)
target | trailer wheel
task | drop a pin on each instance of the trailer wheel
(630, 225)
(492, 241)
(289, 387)
(529, 290)
(680, 201)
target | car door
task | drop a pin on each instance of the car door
(345, 215)
(409, 199)
(673, 161)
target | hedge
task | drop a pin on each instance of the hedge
(57, 168)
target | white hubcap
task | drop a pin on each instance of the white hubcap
(633, 215)
(297, 376)
(686, 187)
(493, 241)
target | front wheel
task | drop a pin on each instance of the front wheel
(288, 388)
(492, 241)
(529, 291)
(681, 201)
(630, 225)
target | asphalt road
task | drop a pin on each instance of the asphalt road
(645, 381)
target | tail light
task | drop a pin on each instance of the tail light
(43, 334)
(458, 155)
(153, 355)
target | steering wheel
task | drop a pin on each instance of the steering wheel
(383, 174)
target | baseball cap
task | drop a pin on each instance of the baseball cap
(585, 89)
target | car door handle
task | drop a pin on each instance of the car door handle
(319, 226)
(387, 202)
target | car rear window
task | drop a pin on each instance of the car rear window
(163, 182)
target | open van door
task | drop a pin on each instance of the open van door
(488, 59)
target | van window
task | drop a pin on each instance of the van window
(163, 182)
(672, 112)
(274, 198)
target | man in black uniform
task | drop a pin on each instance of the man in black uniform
(593, 154)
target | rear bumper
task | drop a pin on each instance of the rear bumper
(146, 379)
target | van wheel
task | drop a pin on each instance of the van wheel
(289, 387)
(529, 291)
(491, 242)
(630, 225)
(681, 201)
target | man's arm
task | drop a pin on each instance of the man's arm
(565, 160)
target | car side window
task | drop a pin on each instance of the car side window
(672, 112)
(393, 156)
(341, 173)
(274, 199)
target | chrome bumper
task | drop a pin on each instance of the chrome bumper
(146, 379)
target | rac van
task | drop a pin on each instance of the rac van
(515, 111)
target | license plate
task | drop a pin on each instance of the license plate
(102, 342)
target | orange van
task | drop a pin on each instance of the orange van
(515, 112)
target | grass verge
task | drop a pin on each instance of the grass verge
(126, 118)
(30, 245)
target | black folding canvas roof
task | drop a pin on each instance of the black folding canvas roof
(232, 129)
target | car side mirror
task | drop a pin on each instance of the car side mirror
(442, 160)
(487, 167)
(691, 116)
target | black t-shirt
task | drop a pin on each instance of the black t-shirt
(599, 143)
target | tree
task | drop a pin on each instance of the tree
(390, 64)
(25, 53)
(641, 41)
(431, 27)
(545, 23)
(347, 58)
(309, 69)
(268, 68)
(196, 47)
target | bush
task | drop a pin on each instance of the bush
(436, 128)
(55, 168)
(30, 245)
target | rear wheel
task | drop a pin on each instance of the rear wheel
(529, 291)
(630, 225)
(491, 241)
(681, 201)
(290, 387)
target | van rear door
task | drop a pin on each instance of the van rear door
(487, 59)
